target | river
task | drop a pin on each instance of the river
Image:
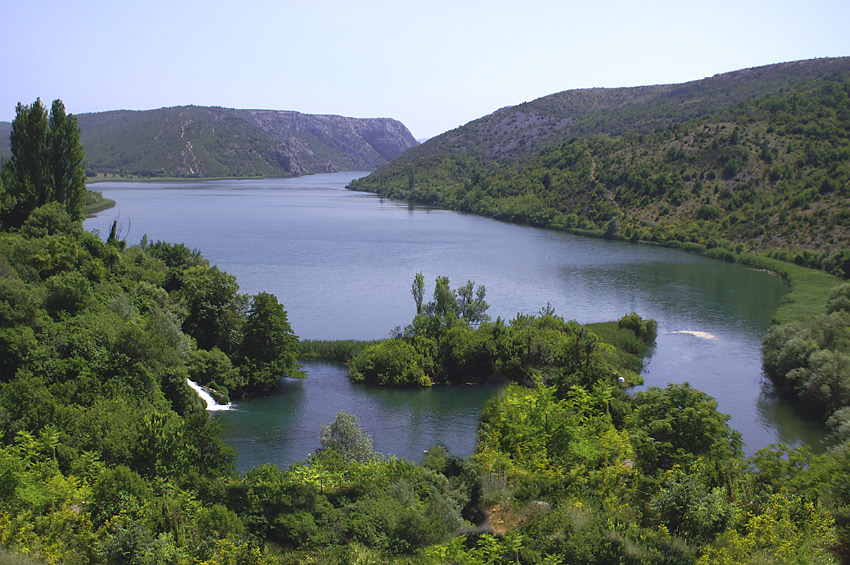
(342, 263)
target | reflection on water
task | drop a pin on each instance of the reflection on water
(283, 427)
(788, 422)
(342, 264)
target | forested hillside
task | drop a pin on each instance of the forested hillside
(769, 175)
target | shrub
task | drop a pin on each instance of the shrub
(393, 362)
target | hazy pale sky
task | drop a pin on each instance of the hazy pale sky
(434, 65)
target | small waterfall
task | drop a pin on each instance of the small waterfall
(212, 405)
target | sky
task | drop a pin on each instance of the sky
(433, 64)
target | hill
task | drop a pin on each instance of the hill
(193, 141)
(523, 129)
(769, 172)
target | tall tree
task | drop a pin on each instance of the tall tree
(46, 164)
(471, 308)
(345, 438)
(214, 308)
(269, 347)
(66, 164)
(25, 173)
(676, 425)
(466, 303)
(418, 290)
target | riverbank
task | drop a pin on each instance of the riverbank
(96, 202)
(808, 288)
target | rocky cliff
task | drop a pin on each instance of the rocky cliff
(365, 143)
(193, 141)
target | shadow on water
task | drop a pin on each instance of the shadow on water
(342, 263)
(283, 427)
(790, 422)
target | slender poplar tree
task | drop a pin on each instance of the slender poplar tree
(66, 164)
(47, 164)
(25, 172)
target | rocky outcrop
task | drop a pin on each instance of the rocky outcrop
(193, 141)
(356, 143)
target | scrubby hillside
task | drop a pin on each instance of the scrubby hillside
(520, 130)
(770, 174)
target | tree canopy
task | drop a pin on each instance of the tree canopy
(47, 164)
(107, 456)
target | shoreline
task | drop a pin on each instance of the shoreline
(132, 178)
(797, 305)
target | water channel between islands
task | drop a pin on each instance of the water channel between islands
(342, 263)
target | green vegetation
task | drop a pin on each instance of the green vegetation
(95, 202)
(104, 445)
(46, 164)
(452, 340)
(341, 351)
(809, 358)
(767, 175)
(107, 456)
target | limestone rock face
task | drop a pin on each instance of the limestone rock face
(366, 143)
(203, 142)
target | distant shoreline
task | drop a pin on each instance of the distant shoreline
(133, 178)
(95, 202)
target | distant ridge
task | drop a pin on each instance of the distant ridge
(203, 142)
(523, 129)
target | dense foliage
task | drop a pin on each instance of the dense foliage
(108, 457)
(46, 164)
(101, 434)
(105, 449)
(452, 340)
(769, 175)
(810, 359)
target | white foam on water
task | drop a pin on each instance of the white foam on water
(695, 333)
(212, 405)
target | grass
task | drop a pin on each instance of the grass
(808, 292)
(9, 558)
(341, 351)
(95, 202)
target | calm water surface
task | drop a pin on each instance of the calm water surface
(342, 263)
